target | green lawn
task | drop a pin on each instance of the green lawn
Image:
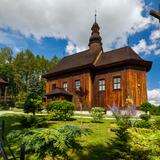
(94, 145)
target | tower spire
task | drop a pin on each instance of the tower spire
(95, 15)
(95, 38)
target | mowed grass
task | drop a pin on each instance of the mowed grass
(94, 145)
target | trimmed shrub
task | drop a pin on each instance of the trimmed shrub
(61, 110)
(145, 117)
(97, 113)
(33, 103)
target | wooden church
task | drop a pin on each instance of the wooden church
(104, 78)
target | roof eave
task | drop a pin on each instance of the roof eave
(146, 64)
(53, 74)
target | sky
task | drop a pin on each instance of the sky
(62, 27)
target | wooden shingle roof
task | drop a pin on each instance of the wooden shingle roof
(95, 60)
(125, 55)
(79, 60)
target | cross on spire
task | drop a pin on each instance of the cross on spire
(95, 15)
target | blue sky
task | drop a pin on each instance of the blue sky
(59, 28)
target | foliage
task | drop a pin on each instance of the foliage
(32, 121)
(49, 142)
(145, 117)
(131, 143)
(97, 113)
(155, 110)
(61, 109)
(143, 124)
(18, 70)
(119, 147)
(33, 103)
(146, 106)
(156, 123)
(19, 104)
(144, 143)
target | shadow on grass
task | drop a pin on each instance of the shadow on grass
(96, 121)
(95, 152)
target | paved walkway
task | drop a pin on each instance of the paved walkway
(12, 112)
(76, 112)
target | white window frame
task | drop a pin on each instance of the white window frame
(116, 82)
(77, 85)
(65, 86)
(102, 85)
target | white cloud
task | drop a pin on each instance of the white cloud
(143, 47)
(154, 96)
(13, 40)
(72, 19)
(155, 35)
(152, 46)
(71, 48)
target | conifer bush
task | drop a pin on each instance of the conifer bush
(97, 113)
(49, 142)
(32, 103)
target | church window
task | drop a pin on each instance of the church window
(102, 85)
(65, 86)
(117, 83)
(77, 84)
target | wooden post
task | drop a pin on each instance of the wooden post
(3, 129)
(3, 152)
(5, 93)
(155, 14)
(22, 152)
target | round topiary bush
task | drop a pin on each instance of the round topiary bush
(97, 113)
(61, 109)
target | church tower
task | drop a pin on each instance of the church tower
(95, 39)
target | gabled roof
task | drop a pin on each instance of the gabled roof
(75, 61)
(125, 55)
(97, 59)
